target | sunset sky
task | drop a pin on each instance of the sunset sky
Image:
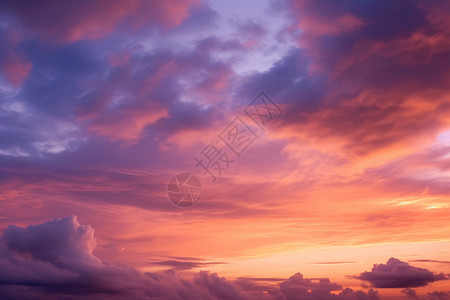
(342, 194)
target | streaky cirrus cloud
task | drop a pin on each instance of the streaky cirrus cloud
(184, 265)
(398, 274)
(431, 260)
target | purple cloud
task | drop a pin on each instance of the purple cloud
(299, 288)
(185, 265)
(410, 293)
(80, 19)
(439, 295)
(55, 259)
(352, 56)
(398, 274)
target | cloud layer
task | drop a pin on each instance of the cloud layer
(102, 103)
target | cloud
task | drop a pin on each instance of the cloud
(435, 295)
(439, 295)
(431, 260)
(297, 282)
(14, 64)
(270, 285)
(364, 83)
(94, 19)
(185, 265)
(398, 274)
(410, 293)
(59, 242)
(55, 260)
(298, 288)
(333, 262)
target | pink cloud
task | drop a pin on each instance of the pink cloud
(127, 125)
(383, 80)
(327, 18)
(15, 66)
(73, 21)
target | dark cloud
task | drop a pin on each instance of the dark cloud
(298, 288)
(55, 260)
(398, 274)
(298, 283)
(185, 265)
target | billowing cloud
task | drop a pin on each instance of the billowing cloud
(398, 274)
(55, 259)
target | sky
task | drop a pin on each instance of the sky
(225, 150)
